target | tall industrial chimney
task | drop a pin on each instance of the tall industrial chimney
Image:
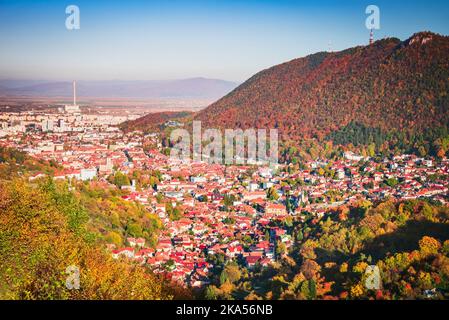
(74, 92)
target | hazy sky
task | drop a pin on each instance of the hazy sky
(232, 40)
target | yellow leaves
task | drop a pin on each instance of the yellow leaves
(307, 249)
(233, 272)
(401, 208)
(344, 267)
(427, 211)
(226, 288)
(297, 280)
(253, 296)
(37, 246)
(357, 290)
(400, 261)
(373, 222)
(115, 238)
(104, 278)
(390, 227)
(386, 209)
(446, 247)
(360, 267)
(429, 246)
(411, 271)
(425, 280)
(321, 171)
(366, 204)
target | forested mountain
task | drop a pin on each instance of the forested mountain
(389, 85)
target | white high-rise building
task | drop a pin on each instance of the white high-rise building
(61, 125)
(47, 125)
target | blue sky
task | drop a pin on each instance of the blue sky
(232, 40)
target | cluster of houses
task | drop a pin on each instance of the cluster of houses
(229, 212)
(86, 155)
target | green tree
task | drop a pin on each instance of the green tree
(121, 179)
(272, 194)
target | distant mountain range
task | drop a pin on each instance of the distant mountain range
(390, 85)
(195, 88)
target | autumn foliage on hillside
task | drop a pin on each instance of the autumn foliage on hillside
(388, 85)
(14, 163)
(154, 121)
(407, 241)
(42, 233)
